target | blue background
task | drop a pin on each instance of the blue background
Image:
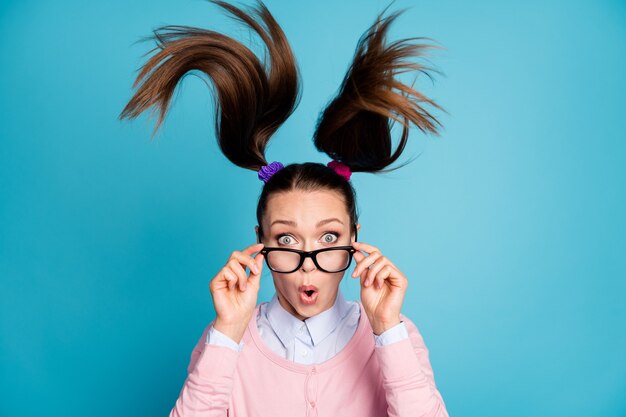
(510, 226)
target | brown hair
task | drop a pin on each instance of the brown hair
(252, 101)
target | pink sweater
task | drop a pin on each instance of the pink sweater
(362, 380)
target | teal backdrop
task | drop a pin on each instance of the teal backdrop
(510, 226)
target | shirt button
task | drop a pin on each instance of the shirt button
(313, 404)
(304, 352)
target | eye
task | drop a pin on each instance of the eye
(330, 237)
(285, 240)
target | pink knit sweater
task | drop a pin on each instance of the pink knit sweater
(362, 380)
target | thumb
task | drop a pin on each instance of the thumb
(358, 256)
(256, 278)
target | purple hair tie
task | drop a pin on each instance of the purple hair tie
(341, 169)
(266, 171)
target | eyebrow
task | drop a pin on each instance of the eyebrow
(294, 224)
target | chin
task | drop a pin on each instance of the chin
(303, 310)
(311, 307)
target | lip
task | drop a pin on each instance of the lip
(308, 300)
(305, 299)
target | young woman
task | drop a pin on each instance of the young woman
(308, 351)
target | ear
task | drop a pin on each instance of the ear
(256, 231)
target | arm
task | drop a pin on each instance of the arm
(215, 337)
(208, 387)
(395, 334)
(408, 377)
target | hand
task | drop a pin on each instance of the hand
(383, 287)
(235, 294)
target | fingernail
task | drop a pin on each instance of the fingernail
(244, 287)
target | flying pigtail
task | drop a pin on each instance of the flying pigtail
(251, 101)
(355, 128)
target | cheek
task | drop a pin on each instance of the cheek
(284, 282)
(332, 281)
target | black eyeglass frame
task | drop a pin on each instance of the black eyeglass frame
(309, 254)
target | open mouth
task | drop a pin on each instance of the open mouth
(308, 294)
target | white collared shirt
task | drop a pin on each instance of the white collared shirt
(313, 340)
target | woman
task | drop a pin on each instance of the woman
(308, 350)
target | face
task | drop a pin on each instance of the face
(307, 220)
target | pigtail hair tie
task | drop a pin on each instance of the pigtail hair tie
(266, 171)
(341, 169)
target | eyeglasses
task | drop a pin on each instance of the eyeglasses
(284, 260)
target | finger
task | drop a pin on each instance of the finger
(242, 278)
(246, 260)
(255, 278)
(365, 263)
(252, 249)
(375, 268)
(381, 276)
(365, 260)
(358, 257)
(365, 247)
(258, 259)
(395, 278)
(230, 277)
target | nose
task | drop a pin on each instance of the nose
(308, 265)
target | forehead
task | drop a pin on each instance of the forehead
(306, 208)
